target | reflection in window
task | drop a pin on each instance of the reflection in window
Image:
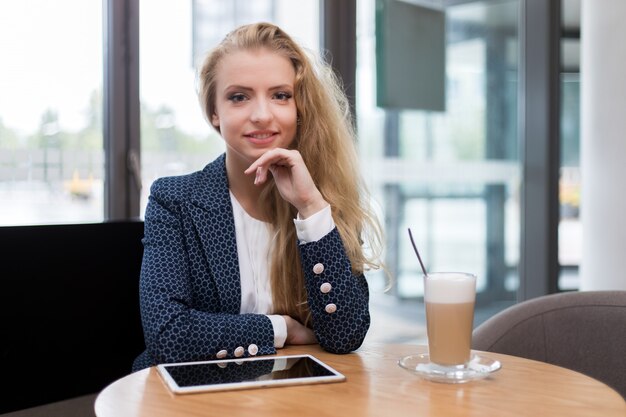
(51, 157)
(453, 176)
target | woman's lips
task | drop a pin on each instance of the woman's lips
(261, 138)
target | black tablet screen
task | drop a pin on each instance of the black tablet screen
(197, 374)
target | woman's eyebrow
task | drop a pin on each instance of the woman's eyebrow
(237, 87)
(245, 88)
(282, 87)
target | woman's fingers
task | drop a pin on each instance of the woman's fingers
(277, 156)
(260, 176)
(272, 159)
(275, 160)
(292, 178)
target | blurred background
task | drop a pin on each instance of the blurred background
(438, 88)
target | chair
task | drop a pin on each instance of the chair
(581, 331)
(82, 406)
(69, 314)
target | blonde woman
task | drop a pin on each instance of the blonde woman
(265, 246)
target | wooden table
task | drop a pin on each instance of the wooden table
(376, 386)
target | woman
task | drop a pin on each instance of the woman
(264, 246)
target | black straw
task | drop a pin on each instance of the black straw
(419, 258)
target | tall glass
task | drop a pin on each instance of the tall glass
(449, 299)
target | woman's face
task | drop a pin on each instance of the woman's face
(254, 106)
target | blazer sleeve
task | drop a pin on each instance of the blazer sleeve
(338, 300)
(183, 320)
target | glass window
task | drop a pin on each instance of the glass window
(175, 36)
(452, 176)
(570, 227)
(51, 153)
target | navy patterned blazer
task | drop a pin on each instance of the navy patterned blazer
(190, 288)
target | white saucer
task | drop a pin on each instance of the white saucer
(479, 367)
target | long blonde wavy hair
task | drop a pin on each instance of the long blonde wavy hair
(326, 141)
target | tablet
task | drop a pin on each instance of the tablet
(253, 372)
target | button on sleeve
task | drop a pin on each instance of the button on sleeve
(318, 268)
(330, 308)
(253, 349)
(326, 287)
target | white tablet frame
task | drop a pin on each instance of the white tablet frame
(174, 387)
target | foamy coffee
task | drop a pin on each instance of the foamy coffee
(449, 299)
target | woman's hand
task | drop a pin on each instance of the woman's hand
(297, 333)
(292, 179)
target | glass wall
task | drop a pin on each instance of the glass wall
(452, 175)
(175, 36)
(51, 153)
(570, 227)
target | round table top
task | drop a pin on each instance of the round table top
(375, 386)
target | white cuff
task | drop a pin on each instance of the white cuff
(280, 329)
(315, 227)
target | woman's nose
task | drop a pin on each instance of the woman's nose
(261, 112)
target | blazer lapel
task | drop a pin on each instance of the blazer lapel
(212, 217)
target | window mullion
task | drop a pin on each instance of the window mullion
(121, 109)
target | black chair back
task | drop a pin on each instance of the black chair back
(69, 309)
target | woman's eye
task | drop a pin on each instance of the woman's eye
(237, 97)
(283, 96)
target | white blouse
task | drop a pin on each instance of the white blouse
(253, 245)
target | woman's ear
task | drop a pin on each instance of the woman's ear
(215, 121)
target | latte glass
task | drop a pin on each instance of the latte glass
(449, 299)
